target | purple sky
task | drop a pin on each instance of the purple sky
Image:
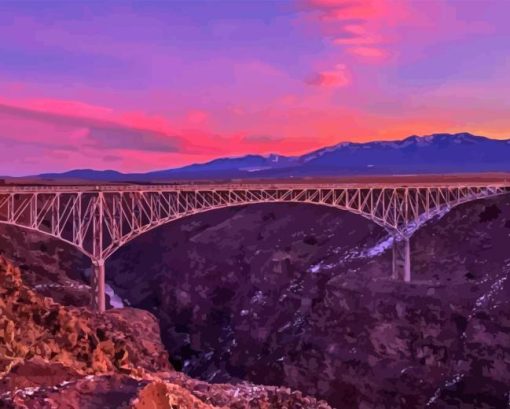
(145, 85)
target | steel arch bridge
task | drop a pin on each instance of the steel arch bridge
(98, 220)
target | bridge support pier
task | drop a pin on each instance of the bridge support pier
(401, 259)
(98, 286)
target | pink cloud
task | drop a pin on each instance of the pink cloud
(381, 31)
(358, 26)
(355, 35)
(197, 117)
(58, 106)
(54, 136)
(331, 79)
(370, 52)
(63, 129)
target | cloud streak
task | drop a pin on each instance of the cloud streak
(87, 132)
(358, 26)
(337, 78)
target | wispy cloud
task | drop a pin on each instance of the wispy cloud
(358, 26)
(337, 78)
(257, 139)
(82, 131)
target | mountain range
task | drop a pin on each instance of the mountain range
(433, 154)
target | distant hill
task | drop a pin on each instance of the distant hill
(432, 154)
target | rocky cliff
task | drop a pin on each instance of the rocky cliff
(53, 356)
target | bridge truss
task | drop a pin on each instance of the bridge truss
(98, 220)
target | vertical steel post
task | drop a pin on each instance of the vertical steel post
(401, 259)
(98, 284)
(407, 260)
(98, 268)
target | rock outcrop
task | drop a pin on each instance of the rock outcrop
(35, 326)
(54, 356)
(49, 267)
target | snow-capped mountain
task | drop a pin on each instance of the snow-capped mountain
(437, 153)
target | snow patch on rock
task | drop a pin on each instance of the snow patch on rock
(447, 384)
(115, 300)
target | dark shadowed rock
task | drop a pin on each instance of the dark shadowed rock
(301, 296)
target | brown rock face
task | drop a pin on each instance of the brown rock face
(53, 356)
(36, 373)
(244, 395)
(49, 267)
(167, 396)
(90, 392)
(32, 325)
(155, 391)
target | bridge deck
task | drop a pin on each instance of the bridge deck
(270, 185)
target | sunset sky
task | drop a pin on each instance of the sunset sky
(136, 86)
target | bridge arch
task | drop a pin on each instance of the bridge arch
(47, 234)
(98, 220)
(164, 222)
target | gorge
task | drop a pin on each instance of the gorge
(300, 296)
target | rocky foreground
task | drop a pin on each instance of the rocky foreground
(53, 356)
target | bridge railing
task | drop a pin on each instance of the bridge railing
(239, 186)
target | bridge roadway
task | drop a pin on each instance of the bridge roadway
(99, 219)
